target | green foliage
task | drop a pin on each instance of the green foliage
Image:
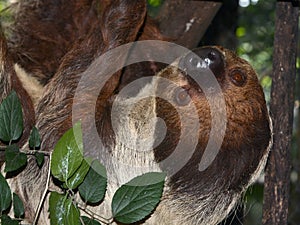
(78, 177)
(11, 129)
(11, 118)
(67, 155)
(253, 198)
(255, 35)
(34, 143)
(18, 206)
(154, 6)
(154, 3)
(5, 15)
(39, 158)
(6, 220)
(34, 139)
(138, 198)
(62, 210)
(5, 194)
(88, 221)
(132, 202)
(14, 159)
(93, 188)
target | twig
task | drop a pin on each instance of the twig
(39, 209)
(92, 214)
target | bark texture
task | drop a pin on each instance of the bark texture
(282, 103)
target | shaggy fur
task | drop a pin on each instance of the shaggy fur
(82, 30)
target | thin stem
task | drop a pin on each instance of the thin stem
(93, 215)
(39, 209)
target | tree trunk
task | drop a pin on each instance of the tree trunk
(277, 180)
(185, 22)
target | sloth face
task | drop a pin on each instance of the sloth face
(221, 92)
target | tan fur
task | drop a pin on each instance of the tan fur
(30, 84)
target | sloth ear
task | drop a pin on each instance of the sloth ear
(9, 81)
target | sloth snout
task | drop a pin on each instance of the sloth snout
(201, 59)
(213, 58)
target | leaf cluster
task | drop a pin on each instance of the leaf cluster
(75, 174)
(132, 202)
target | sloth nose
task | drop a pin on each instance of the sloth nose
(208, 56)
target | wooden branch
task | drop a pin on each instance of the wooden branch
(277, 178)
(186, 21)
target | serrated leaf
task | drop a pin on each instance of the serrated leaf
(88, 221)
(67, 154)
(39, 157)
(11, 118)
(6, 220)
(79, 175)
(14, 159)
(135, 200)
(93, 187)
(5, 194)
(62, 210)
(18, 206)
(34, 139)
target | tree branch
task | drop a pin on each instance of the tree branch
(186, 21)
(277, 179)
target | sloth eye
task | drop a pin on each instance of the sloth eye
(181, 97)
(238, 77)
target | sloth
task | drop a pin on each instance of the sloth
(193, 195)
(215, 136)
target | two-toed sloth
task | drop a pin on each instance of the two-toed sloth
(55, 42)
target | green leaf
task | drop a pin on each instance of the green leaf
(18, 206)
(5, 194)
(154, 3)
(14, 159)
(11, 118)
(93, 188)
(62, 210)
(88, 221)
(138, 198)
(67, 154)
(39, 157)
(6, 220)
(79, 175)
(34, 139)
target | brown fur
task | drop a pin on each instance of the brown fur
(245, 145)
(82, 30)
(9, 81)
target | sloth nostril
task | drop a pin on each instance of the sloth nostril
(202, 59)
(213, 58)
(212, 55)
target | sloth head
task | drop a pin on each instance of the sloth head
(216, 111)
(214, 138)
